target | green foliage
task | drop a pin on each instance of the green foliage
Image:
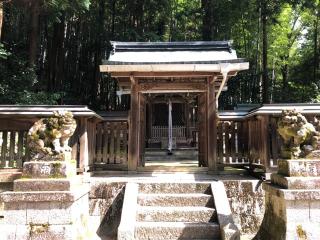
(3, 52)
(74, 38)
(19, 84)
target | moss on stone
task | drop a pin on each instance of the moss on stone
(38, 228)
(302, 235)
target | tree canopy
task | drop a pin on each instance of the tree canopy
(50, 50)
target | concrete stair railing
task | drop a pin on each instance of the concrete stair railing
(176, 211)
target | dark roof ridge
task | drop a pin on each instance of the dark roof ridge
(171, 46)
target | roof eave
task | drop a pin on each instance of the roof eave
(192, 67)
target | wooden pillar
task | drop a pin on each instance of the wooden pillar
(133, 147)
(212, 125)
(142, 124)
(84, 145)
(150, 118)
(187, 118)
(202, 121)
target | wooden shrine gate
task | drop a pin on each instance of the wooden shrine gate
(168, 68)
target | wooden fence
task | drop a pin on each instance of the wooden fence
(15, 122)
(13, 148)
(232, 143)
(101, 143)
(111, 144)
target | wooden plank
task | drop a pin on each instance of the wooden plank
(142, 124)
(227, 141)
(251, 139)
(4, 148)
(14, 125)
(118, 151)
(245, 140)
(274, 140)
(84, 148)
(112, 144)
(233, 141)
(106, 142)
(240, 142)
(99, 143)
(133, 156)
(264, 141)
(168, 87)
(20, 148)
(125, 143)
(220, 142)
(12, 149)
(212, 126)
(160, 74)
(203, 130)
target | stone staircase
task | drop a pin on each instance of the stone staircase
(176, 211)
(166, 211)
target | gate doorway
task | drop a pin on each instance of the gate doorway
(183, 133)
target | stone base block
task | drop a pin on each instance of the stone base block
(44, 196)
(49, 169)
(290, 214)
(295, 182)
(46, 215)
(60, 184)
(299, 167)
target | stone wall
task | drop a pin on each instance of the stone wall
(246, 198)
(44, 216)
(105, 205)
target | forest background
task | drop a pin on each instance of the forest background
(50, 50)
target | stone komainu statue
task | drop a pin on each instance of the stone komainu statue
(50, 136)
(300, 137)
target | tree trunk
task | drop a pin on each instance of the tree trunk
(207, 19)
(98, 53)
(56, 57)
(1, 18)
(113, 18)
(284, 72)
(316, 56)
(265, 79)
(34, 32)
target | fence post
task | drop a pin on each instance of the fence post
(84, 146)
(265, 145)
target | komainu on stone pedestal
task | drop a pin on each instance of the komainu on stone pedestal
(292, 199)
(300, 138)
(48, 138)
(50, 201)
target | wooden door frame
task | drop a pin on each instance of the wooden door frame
(207, 128)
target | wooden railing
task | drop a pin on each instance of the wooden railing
(159, 132)
(13, 148)
(232, 143)
(111, 144)
(15, 122)
(249, 140)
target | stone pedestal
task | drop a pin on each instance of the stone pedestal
(48, 202)
(292, 201)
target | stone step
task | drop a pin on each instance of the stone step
(172, 169)
(185, 152)
(170, 158)
(176, 214)
(173, 199)
(164, 187)
(176, 230)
